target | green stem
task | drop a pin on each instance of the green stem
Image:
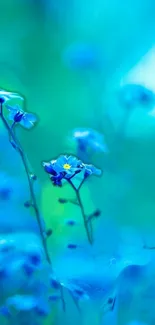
(82, 210)
(33, 198)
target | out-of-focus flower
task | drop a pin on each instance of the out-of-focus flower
(28, 303)
(131, 95)
(90, 170)
(80, 56)
(17, 115)
(7, 95)
(12, 188)
(22, 302)
(89, 139)
(32, 262)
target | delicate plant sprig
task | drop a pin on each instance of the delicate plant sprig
(66, 168)
(19, 116)
(77, 192)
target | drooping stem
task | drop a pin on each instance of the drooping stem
(32, 194)
(82, 210)
(62, 298)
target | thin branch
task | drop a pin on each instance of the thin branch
(32, 195)
(82, 210)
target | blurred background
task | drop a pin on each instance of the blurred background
(70, 59)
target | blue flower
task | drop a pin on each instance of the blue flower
(89, 139)
(7, 95)
(22, 302)
(65, 166)
(91, 170)
(34, 259)
(17, 115)
(136, 94)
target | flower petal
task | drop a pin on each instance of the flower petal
(48, 167)
(26, 123)
(15, 108)
(31, 117)
(90, 169)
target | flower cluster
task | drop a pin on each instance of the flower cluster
(67, 167)
(31, 263)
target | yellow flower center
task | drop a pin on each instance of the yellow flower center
(66, 166)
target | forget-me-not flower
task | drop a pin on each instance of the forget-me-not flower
(64, 165)
(22, 302)
(89, 139)
(136, 94)
(7, 95)
(17, 115)
(67, 167)
(90, 170)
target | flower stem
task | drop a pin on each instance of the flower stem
(82, 210)
(62, 298)
(25, 164)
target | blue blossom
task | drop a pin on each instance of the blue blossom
(87, 139)
(7, 95)
(65, 166)
(22, 302)
(136, 94)
(32, 262)
(90, 170)
(34, 258)
(17, 115)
